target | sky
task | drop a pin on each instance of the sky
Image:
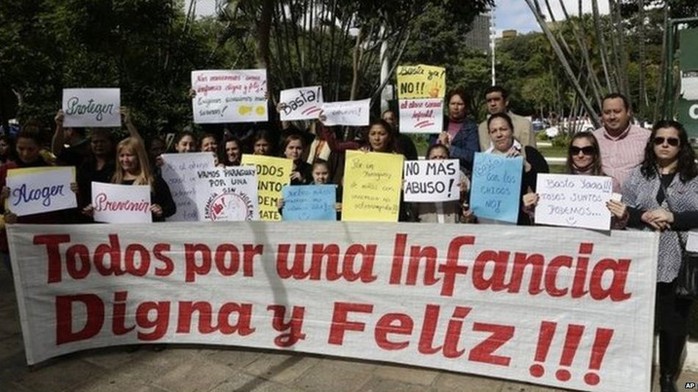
(516, 14)
(509, 14)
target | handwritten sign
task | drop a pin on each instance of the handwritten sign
(483, 299)
(310, 202)
(347, 112)
(421, 115)
(372, 183)
(227, 194)
(224, 96)
(180, 173)
(40, 189)
(116, 203)
(496, 187)
(432, 180)
(574, 201)
(272, 174)
(91, 107)
(303, 103)
(421, 81)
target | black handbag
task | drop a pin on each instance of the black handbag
(687, 279)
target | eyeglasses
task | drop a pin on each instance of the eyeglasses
(672, 141)
(588, 150)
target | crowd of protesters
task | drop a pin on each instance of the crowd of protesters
(654, 171)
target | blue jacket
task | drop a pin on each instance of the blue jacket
(464, 145)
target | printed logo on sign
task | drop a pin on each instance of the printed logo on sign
(228, 206)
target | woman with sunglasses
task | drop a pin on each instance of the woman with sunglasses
(583, 157)
(662, 195)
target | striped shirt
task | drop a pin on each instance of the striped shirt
(621, 154)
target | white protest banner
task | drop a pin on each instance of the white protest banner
(91, 107)
(40, 189)
(303, 103)
(224, 96)
(573, 309)
(431, 180)
(421, 115)
(117, 203)
(180, 173)
(347, 112)
(227, 194)
(574, 201)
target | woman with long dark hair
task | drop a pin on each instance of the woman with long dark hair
(662, 195)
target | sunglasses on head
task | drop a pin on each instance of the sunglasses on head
(672, 141)
(588, 150)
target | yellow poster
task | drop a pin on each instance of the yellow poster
(272, 174)
(372, 183)
(421, 81)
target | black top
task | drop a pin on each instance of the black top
(160, 194)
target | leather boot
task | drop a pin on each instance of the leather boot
(670, 351)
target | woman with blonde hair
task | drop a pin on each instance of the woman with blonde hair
(133, 168)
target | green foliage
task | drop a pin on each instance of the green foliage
(562, 140)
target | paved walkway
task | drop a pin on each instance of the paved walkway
(219, 369)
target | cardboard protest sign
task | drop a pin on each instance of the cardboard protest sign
(310, 202)
(40, 189)
(574, 201)
(303, 103)
(272, 174)
(180, 173)
(477, 299)
(91, 107)
(347, 112)
(421, 115)
(421, 81)
(227, 194)
(372, 183)
(116, 203)
(224, 96)
(496, 187)
(431, 180)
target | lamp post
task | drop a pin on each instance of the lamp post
(493, 34)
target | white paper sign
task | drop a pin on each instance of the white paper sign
(421, 115)
(303, 103)
(227, 194)
(224, 96)
(692, 241)
(431, 180)
(574, 201)
(180, 173)
(40, 189)
(689, 86)
(117, 203)
(91, 107)
(574, 313)
(347, 112)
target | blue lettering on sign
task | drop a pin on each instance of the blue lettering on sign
(22, 195)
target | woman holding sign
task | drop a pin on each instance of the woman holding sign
(583, 157)
(449, 211)
(662, 195)
(28, 147)
(502, 142)
(460, 132)
(293, 146)
(133, 168)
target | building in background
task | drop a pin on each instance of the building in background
(479, 37)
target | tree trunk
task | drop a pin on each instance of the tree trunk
(563, 61)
